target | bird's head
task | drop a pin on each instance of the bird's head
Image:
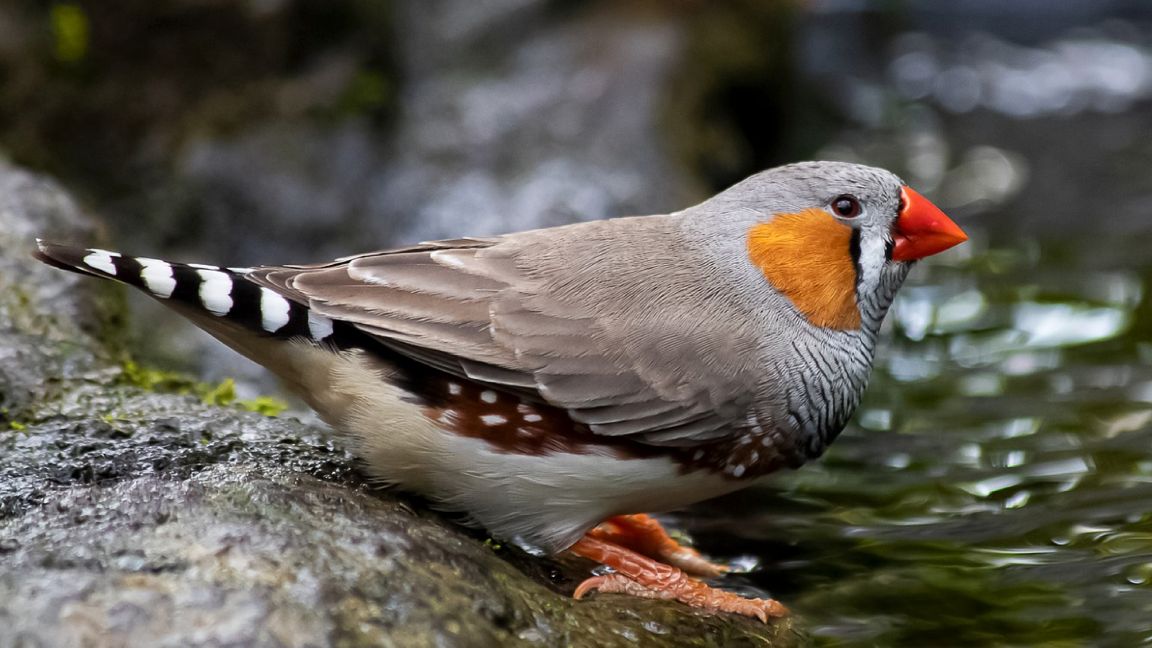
(837, 239)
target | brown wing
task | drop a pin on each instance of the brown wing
(581, 318)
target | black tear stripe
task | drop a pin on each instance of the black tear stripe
(854, 252)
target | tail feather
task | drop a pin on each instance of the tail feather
(224, 293)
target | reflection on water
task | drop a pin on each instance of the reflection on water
(1089, 70)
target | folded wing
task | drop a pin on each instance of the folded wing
(603, 326)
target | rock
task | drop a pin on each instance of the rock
(132, 517)
(51, 331)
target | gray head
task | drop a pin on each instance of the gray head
(830, 235)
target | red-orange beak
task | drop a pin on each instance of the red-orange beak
(922, 229)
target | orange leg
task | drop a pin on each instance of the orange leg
(644, 535)
(641, 576)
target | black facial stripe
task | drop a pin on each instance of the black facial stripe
(854, 252)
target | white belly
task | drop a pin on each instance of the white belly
(546, 501)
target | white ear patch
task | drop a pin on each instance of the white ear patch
(215, 291)
(157, 276)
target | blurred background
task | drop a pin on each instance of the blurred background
(996, 487)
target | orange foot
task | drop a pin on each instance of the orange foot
(641, 576)
(644, 535)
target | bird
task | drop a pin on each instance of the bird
(556, 386)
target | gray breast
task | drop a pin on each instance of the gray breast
(814, 387)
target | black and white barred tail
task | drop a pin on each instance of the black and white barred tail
(224, 293)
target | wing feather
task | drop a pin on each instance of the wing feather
(578, 319)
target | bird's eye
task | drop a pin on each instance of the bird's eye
(846, 206)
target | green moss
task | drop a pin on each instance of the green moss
(266, 405)
(221, 395)
(155, 380)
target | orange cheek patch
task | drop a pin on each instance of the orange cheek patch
(805, 256)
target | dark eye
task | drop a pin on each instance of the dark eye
(846, 206)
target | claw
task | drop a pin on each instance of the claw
(637, 575)
(714, 599)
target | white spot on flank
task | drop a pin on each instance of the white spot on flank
(738, 470)
(273, 310)
(454, 388)
(101, 260)
(447, 417)
(754, 457)
(488, 396)
(493, 419)
(529, 413)
(157, 276)
(215, 291)
(319, 326)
